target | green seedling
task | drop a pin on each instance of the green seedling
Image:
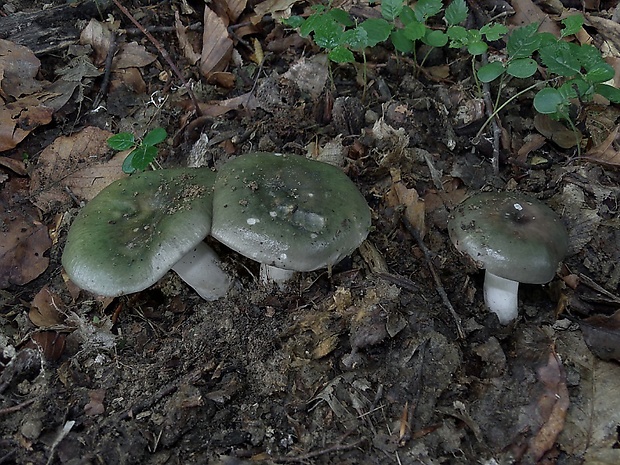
(578, 71)
(143, 153)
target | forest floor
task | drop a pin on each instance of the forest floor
(391, 358)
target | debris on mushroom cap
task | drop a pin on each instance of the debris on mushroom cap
(511, 235)
(287, 211)
(137, 228)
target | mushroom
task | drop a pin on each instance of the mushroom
(137, 228)
(288, 213)
(517, 239)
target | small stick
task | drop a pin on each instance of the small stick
(108, 72)
(439, 286)
(163, 53)
(16, 408)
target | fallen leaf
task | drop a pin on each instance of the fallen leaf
(527, 12)
(75, 164)
(184, 42)
(99, 36)
(216, 45)
(50, 343)
(18, 68)
(95, 406)
(23, 238)
(556, 131)
(551, 406)
(45, 309)
(278, 9)
(602, 335)
(605, 153)
(132, 55)
(310, 75)
(399, 194)
(19, 118)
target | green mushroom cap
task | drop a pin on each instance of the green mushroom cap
(128, 236)
(510, 235)
(287, 211)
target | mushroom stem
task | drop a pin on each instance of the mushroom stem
(271, 274)
(500, 295)
(200, 269)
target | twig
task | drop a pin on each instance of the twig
(439, 286)
(107, 73)
(304, 457)
(15, 408)
(491, 114)
(163, 53)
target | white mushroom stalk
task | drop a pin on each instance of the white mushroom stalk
(515, 238)
(501, 296)
(200, 269)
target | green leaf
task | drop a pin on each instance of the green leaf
(477, 47)
(424, 9)
(356, 38)
(155, 136)
(588, 56)
(310, 24)
(391, 9)
(458, 35)
(415, 30)
(609, 92)
(327, 33)
(522, 68)
(572, 25)
(576, 88)
(549, 101)
(401, 42)
(128, 164)
(341, 17)
(560, 58)
(341, 54)
(523, 41)
(122, 141)
(491, 71)
(141, 157)
(493, 31)
(435, 38)
(407, 15)
(600, 73)
(294, 21)
(456, 12)
(378, 30)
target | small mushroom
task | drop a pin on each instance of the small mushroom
(288, 213)
(517, 239)
(136, 229)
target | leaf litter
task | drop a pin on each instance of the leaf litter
(284, 374)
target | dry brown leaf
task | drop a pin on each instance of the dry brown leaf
(95, 406)
(527, 12)
(186, 46)
(99, 36)
(23, 238)
(132, 55)
(552, 406)
(19, 118)
(602, 335)
(18, 68)
(399, 194)
(245, 101)
(532, 142)
(278, 9)
(556, 131)
(605, 153)
(77, 164)
(46, 309)
(17, 166)
(50, 343)
(216, 45)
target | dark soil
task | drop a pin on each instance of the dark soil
(366, 365)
